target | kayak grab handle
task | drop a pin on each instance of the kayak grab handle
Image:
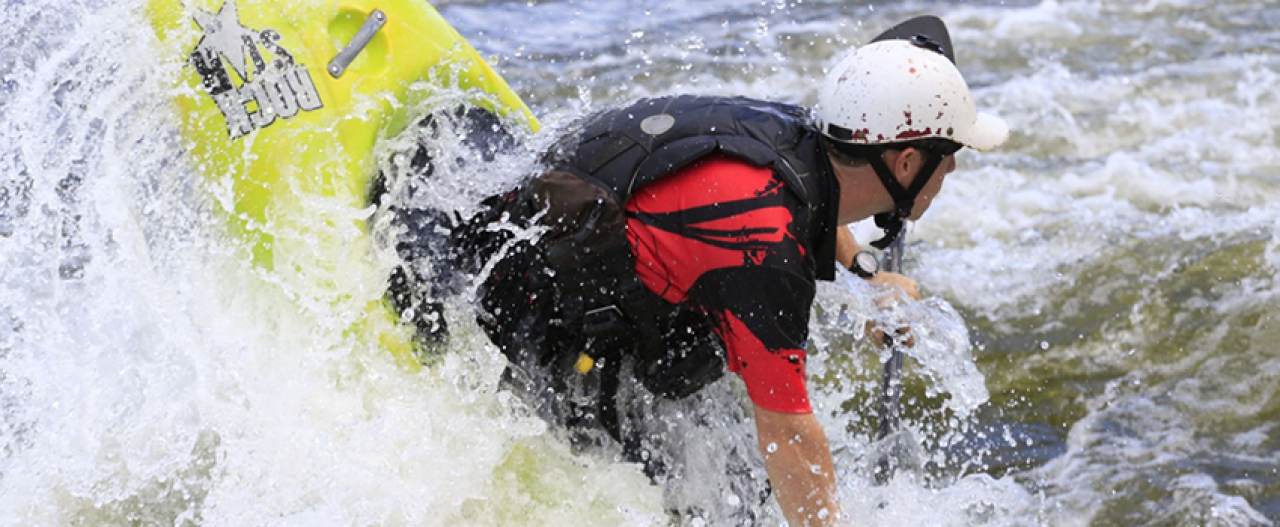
(339, 64)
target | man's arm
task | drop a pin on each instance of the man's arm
(846, 246)
(799, 463)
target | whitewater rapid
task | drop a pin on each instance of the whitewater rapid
(1101, 340)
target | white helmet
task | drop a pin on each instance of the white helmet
(894, 91)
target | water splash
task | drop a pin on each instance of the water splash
(1115, 266)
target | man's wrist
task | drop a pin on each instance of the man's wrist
(865, 265)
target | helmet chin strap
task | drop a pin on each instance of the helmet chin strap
(904, 199)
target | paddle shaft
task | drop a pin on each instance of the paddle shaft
(890, 381)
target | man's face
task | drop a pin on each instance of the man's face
(931, 189)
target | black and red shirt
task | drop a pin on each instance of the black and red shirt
(728, 238)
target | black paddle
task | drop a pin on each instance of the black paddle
(927, 26)
(934, 31)
(891, 380)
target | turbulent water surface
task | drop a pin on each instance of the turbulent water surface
(1101, 345)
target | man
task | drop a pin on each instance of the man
(676, 238)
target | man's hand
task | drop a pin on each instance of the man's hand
(799, 463)
(898, 289)
(847, 247)
(897, 285)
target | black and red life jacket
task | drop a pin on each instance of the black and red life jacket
(581, 202)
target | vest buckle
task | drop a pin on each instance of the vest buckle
(602, 320)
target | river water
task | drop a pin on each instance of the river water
(1101, 345)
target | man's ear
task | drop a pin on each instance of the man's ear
(905, 165)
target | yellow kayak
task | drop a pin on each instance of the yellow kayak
(283, 103)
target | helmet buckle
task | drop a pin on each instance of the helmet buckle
(925, 42)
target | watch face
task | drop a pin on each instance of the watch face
(866, 262)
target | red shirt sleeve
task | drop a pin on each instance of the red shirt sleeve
(719, 235)
(775, 379)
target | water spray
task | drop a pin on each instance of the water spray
(889, 409)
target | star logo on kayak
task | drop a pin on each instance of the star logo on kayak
(250, 75)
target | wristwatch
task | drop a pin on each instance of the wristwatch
(865, 265)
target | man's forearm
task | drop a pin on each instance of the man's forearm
(846, 246)
(799, 464)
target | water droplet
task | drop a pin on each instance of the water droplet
(773, 447)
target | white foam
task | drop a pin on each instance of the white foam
(173, 381)
(971, 500)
